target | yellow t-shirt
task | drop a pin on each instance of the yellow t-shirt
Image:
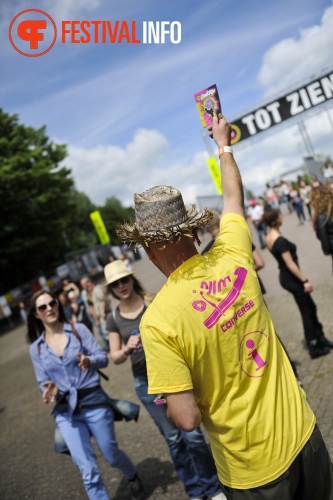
(209, 330)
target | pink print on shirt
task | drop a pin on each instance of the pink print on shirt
(253, 353)
(225, 304)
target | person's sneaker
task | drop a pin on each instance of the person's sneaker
(136, 488)
(316, 349)
(326, 343)
(219, 496)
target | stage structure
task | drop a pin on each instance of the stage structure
(310, 97)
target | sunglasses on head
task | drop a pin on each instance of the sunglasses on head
(43, 307)
(123, 281)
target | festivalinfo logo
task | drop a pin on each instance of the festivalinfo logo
(33, 32)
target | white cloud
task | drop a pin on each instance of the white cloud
(105, 171)
(284, 65)
(297, 58)
(147, 160)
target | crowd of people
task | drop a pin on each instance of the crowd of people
(203, 351)
(301, 197)
(311, 201)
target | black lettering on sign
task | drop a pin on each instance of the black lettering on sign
(299, 101)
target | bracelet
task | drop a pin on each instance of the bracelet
(305, 281)
(224, 149)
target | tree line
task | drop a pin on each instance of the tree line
(42, 216)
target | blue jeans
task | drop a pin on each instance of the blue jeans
(298, 207)
(261, 230)
(100, 423)
(189, 451)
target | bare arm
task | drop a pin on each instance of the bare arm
(259, 262)
(183, 410)
(293, 268)
(119, 352)
(103, 308)
(233, 195)
(93, 313)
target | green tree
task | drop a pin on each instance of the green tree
(80, 232)
(36, 202)
(113, 213)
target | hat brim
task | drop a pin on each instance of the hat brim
(132, 234)
(118, 276)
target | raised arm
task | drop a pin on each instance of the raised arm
(259, 262)
(233, 195)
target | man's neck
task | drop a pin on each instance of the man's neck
(168, 258)
(178, 260)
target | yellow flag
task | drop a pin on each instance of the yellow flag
(100, 228)
(215, 173)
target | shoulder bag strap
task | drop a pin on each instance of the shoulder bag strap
(75, 332)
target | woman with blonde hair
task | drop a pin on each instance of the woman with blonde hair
(322, 204)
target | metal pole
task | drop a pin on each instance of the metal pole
(306, 139)
(329, 118)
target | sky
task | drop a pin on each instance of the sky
(126, 110)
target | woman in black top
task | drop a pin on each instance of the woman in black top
(322, 203)
(294, 281)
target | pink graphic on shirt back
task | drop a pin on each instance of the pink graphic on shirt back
(199, 305)
(226, 303)
(254, 354)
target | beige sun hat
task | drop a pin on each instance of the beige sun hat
(115, 271)
(161, 215)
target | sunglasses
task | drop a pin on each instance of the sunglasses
(123, 281)
(43, 307)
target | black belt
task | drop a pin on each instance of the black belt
(84, 392)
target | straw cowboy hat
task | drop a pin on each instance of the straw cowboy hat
(115, 271)
(161, 215)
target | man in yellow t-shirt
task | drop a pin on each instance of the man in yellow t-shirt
(212, 351)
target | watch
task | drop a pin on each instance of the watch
(224, 149)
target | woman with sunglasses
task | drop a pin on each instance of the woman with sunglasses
(66, 363)
(190, 454)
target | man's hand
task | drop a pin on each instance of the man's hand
(50, 393)
(84, 361)
(220, 131)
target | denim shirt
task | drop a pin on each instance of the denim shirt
(64, 371)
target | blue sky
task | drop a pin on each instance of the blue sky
(127, 111)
